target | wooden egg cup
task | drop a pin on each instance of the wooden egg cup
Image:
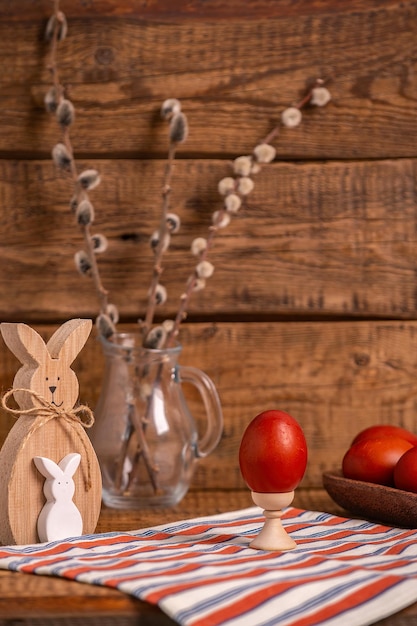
(273, 535)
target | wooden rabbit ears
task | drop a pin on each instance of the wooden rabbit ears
(29, 347)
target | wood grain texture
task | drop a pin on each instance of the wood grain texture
(234, 77)
(54, 440)
(334, 378)
(333, 238)
(52, 433)
(329, 233)
(199, 9)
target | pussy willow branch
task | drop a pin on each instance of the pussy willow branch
(102, 293)
(186, 296)
(53, 54)
(163, 229)
(319, 82)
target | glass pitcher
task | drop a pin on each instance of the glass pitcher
(144, 436)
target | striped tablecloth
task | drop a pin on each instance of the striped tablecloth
(201, 572)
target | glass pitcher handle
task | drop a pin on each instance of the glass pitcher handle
(209, 395)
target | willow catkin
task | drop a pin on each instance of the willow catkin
(178, 130)
(65, 113)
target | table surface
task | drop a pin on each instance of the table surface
(36, 600)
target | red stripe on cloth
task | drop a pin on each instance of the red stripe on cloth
(400, 547)
(352, 600)
(66, 546)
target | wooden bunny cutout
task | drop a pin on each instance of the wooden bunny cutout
(48, 425)
(59, 517)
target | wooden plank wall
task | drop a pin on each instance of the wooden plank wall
(312, 307)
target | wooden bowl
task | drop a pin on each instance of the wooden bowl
(376, 503)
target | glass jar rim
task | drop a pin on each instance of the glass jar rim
(129, 341)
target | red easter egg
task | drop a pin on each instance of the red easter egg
(273, 453)
(374, 460)
(385, 430)
(405, 472)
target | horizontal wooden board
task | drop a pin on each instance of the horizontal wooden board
(234, 77)
(314, 239)
(198, 9)
(334, 378)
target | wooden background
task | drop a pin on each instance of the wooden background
(313, 305)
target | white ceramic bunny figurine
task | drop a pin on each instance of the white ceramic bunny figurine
(59, 517)
(49, 425)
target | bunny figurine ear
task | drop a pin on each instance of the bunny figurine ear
(67, 467)
(70, 463)
(29, 347)
(24, 342)
(47, 467)
(67, 342)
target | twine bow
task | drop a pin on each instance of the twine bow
(47, 411)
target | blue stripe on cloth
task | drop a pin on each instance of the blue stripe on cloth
(202, 572)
